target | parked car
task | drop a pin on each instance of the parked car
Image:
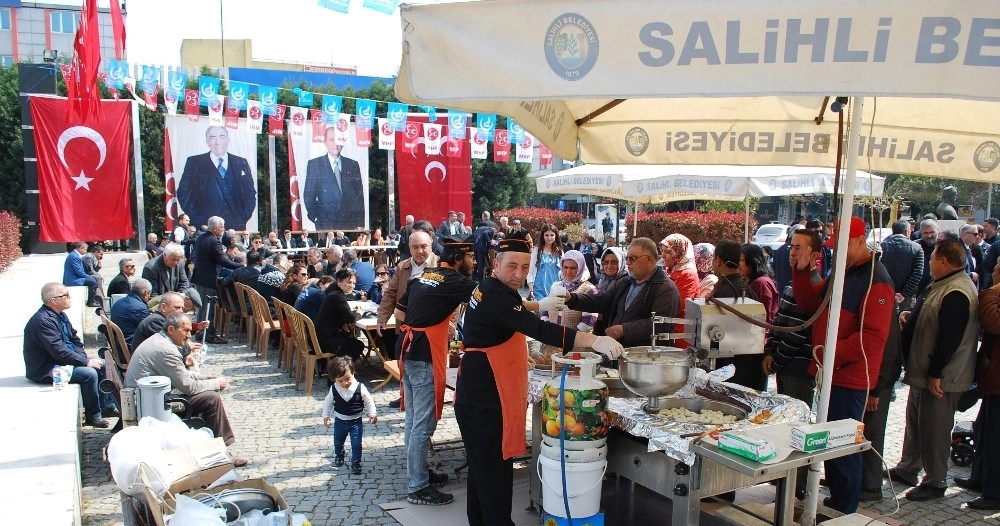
(771, 235)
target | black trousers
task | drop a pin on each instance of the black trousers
(875, 422)
(209, 405)
(491, 478)
(986, 462)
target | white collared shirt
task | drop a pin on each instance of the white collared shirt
(215, 161)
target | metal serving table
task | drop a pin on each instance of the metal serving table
(685, 483)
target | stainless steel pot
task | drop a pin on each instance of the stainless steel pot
(654, 373)
(236, 502)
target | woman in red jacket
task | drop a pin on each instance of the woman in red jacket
(678, 262)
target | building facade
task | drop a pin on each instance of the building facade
(28, 29)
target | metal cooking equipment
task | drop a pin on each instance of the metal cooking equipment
(654, 372)
(236, 502)
(698, 404)
(721, 334)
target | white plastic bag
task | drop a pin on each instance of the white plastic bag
(191, 512)
(130, 447)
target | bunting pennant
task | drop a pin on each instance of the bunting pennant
(276, 121)
(268, 99)
(215, 111)
(232, 116)
(382, 6)
(453, 147)
(342, 127)
(170, 101)
(456, 124)
(191, 104)
(340, 6)
(432, 139)
(397, 116)
(331, 108)
(386, 135)
(486, 124)
(305, 97)
(365, 115)
(67, 71)
(411, 138)
(544, 156)
(318, 127)
(477, 144)
(255, 117)
(431, 112)
(238, 95)
(514, 131)
(297, 125)
(362, 136)
(149, 83)
(526, 149)
(117, 70)
(501, 147)
(208, 90)
(176, 84)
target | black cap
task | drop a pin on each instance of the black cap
(455, 245)
(513, 245)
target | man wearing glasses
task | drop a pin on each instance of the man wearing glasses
(628, 303)
(120, 283)
(50, 340)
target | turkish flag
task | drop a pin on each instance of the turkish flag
(431, 186)
(169, 182)
(83, 172)
(85, 99)
(118, 28)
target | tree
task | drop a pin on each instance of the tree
(923, 194)
(12, 195)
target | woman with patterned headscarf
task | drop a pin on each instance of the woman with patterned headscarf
(612, 266)
(678, 261)
(704, 253)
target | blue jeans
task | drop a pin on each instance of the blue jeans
(418, 393)
(342, 428)
(843, 474)
(88, 379)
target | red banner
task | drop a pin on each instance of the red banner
(232, 115)
(191, 104)
(318, 128)
(293, 187)
(501, 147)
(430, 186)
(544, 156)
(454, 147)
(83, 172)
(84, 96)
(169, 182)
(276, 121)
(363, 137)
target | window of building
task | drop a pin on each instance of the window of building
(6, 60)
(5, 19)
(64, 21)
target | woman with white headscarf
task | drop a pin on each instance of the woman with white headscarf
(573, 277)
(678, 262)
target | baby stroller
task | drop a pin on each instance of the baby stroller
(963, 445)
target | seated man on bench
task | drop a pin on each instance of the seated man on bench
(160, 355)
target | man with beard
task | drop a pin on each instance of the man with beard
(424, 312)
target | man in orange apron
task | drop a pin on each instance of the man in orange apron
(492, 392)
(424, 312)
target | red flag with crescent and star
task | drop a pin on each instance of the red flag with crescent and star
(169, 182)
(83, 172)
(430, 186)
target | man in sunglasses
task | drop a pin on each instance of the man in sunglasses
(50, 340)
(628, 304)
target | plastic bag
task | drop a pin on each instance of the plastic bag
(193, 513)
(129, 448)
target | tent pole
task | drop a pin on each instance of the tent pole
(836, 290)
(635, 219)
(746, 218)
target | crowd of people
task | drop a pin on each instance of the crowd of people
(899, 295)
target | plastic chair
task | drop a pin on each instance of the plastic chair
(285, 330)
(309, 351)
(263, 322)
(116, 341)
(233, 315)
(243, 300)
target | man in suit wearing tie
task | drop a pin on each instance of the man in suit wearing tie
(218, 183)
(334, 192)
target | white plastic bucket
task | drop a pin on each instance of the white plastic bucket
(583, 486)
(152, 391)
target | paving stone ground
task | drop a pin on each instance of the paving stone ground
(280, 429)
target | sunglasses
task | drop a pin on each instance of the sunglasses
(631, 259)
(303, 273)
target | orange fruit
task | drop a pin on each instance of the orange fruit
(552, 428)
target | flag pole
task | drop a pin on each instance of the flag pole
(273, 183)
(140, 202)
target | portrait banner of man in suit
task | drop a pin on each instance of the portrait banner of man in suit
(219, 172)
(333, 195)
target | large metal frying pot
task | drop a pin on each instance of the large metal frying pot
(654, 372)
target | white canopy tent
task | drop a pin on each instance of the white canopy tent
(726, 82)
(653, 183)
